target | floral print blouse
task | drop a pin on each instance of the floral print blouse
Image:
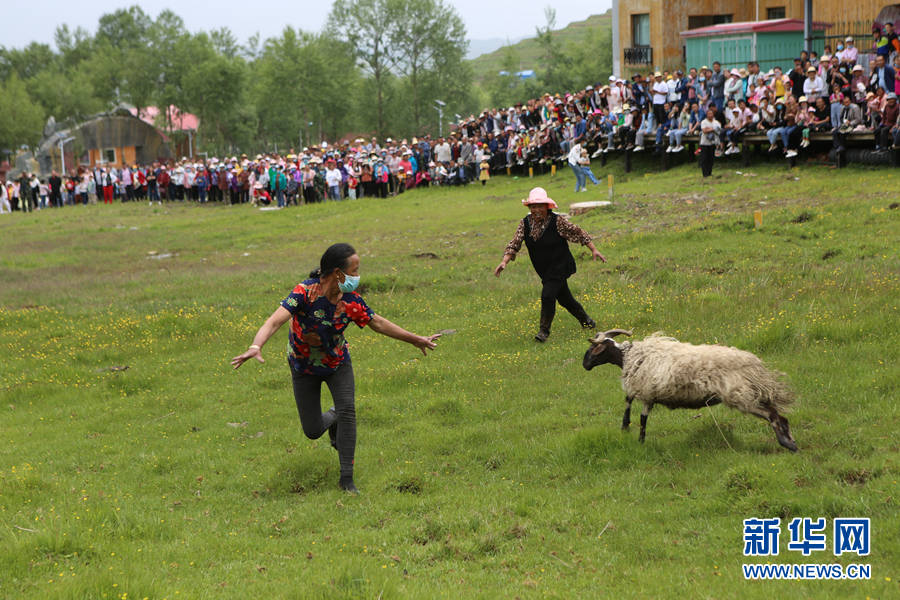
(568, 230)
(313, 313)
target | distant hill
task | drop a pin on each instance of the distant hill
(529, 51)
(479, 47)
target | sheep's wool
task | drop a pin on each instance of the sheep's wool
(679, 375)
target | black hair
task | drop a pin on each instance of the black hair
(336, 257)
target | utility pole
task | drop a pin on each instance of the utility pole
(807, 25)
(439, 107)
(62, 154)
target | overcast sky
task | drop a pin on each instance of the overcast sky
(35, 20)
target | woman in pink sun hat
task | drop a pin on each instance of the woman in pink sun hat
(546, 235)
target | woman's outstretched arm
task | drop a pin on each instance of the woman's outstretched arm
(385, 327)
(272, 324)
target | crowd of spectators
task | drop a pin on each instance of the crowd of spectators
(838, 92)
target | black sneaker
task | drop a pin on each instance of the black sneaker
(588, 323)
(541, 336)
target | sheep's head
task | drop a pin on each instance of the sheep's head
(604, 349)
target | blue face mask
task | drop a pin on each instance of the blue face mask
(350, 283)
(843, 70)
(840, 46)
(702, 78)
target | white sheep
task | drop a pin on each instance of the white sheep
(662, 370)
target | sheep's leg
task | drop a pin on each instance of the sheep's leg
(782, 431)
(644, 414)
(779, 425)
(626, 420)
(712, 400)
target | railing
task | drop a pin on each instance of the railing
(641, 55)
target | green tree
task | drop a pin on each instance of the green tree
(64, 93)
(502, 85)
(21, 118)
(284, 76)
(175, 51)
(369, 26)
(74, 47)
(125, 27)
(224, 42)
(213, 90)
(591, 57)
(27, 62)
(556, 63)
(301, 78)
(431, 38)
(339, 83)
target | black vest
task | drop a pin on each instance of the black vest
(550, 253)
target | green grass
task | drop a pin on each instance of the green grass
(529, 51)
(495, 467)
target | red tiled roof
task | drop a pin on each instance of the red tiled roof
(181, 121)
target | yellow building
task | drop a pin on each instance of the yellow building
(646, 33)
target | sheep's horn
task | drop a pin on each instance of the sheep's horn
(597, 339)
(614, 332)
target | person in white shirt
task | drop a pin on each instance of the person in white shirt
(616, 96)
(813, 86)
(738, 119)
(660, 93)
(333, 181)
(672, 83)
(734, 86)
(81, 189)
(127, 183)
(709, 139)
(442, 152)
(441, 173)
(4, 199)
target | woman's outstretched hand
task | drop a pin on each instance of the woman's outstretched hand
(237, 361)
(426, 343)
(595, 254)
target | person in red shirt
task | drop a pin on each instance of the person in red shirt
(162, 182)
(887, 132)
(140, 190)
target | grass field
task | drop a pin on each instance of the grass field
(493, 468)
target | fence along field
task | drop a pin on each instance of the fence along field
(493, 467)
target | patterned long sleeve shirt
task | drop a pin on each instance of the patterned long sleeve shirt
(568, 230)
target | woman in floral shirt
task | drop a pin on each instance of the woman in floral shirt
(320, 309)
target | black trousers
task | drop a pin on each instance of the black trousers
(557, 290)
(659, 113)
(707, 153)
(883, 137)
(307, 394)
(839, 140)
